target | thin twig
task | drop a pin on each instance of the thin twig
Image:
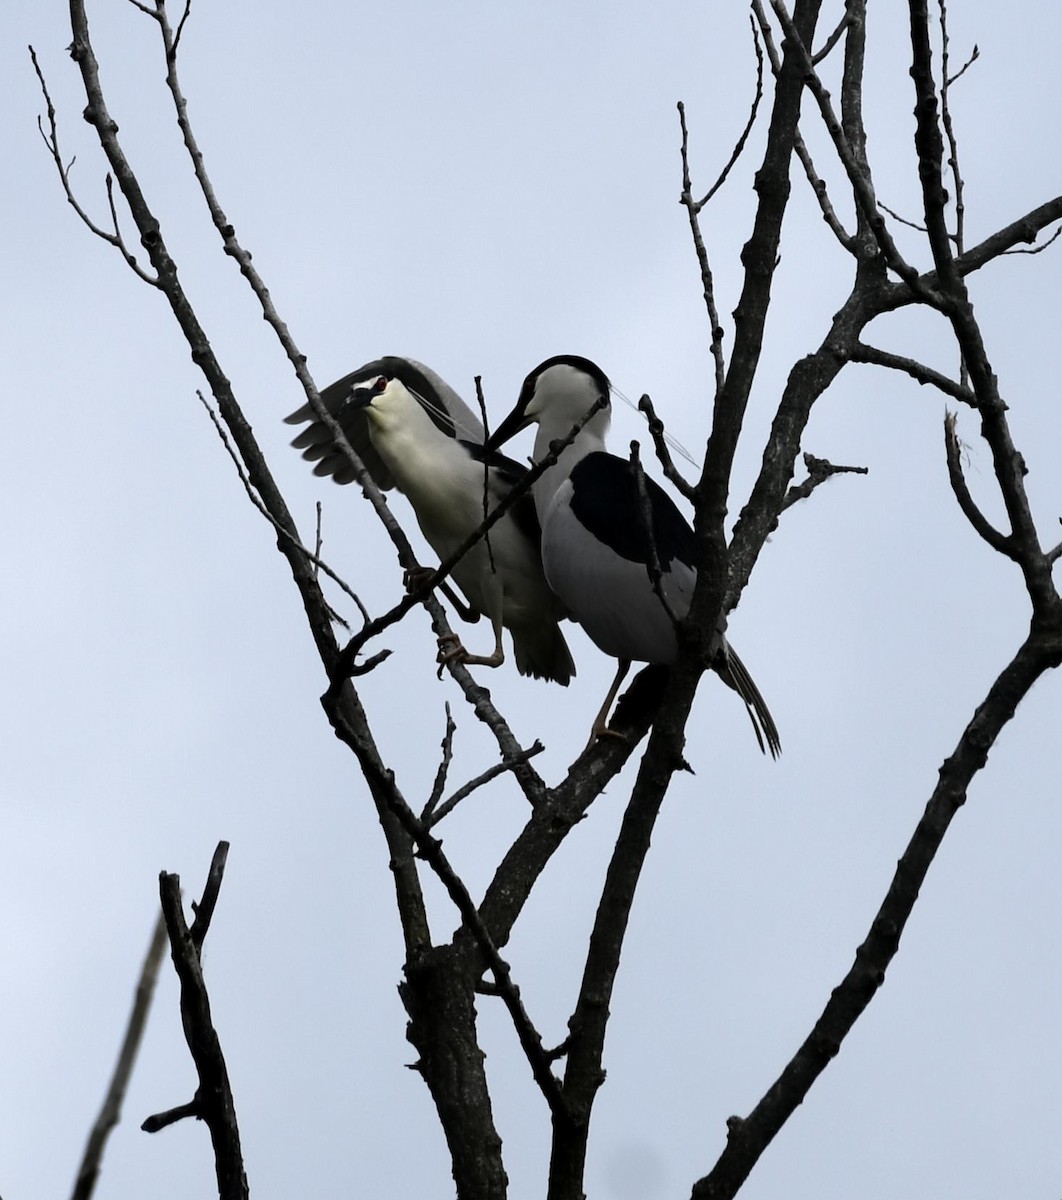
(859, 178)
(486, 466)
(819, 470)
(739, 146)
(915, 225)
(466, 789)
(975, 54)
(417, 596)
(111, 1110)
(644, 509)
(318, 562)
(707, 280)
(180, 26)
(663, 454)
(51, 140)
(831, 41)
(959, 233)
(444, 767)
(204, 909)
(862, 353)
(1035, 249)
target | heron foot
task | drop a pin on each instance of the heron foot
(452, 651)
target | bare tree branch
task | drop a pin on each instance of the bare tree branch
(212, 1103)
(862, 353)
(707, 279)
(111, 1110)
(958, 188)
(739, 146)
(1025, 229)
(313, 556)
(1008, 463)
(832, 40)
(51, 140)
(749, 1136)
(1004, 545)
(430, 849)
(818, 184)
(819, 470)
(860, 180)
(444, 767)
(466, 789)
(663, 454)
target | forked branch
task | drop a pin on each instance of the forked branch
(212, 1103)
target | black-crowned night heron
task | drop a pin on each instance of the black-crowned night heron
(596, 548)
(412, 431)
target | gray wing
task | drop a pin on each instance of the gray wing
(445, 407)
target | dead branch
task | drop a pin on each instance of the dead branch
(818, 184)
(858, 177)
(51, 140)
(707, 280)
(819, 470)
(749, 1136)
(645, 521)
(663, 454)
(466, 789)
(862, 353)
(444, 768)
(740, 144)
(997, 540)
(111, 1110)
(212, 1103)
(313, 556)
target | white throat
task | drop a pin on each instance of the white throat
(556, 426)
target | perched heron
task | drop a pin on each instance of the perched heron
(596, 542)
(412, 431)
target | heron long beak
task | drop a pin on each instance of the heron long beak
(510, 427)
(359, 397)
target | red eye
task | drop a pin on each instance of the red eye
(380, 384)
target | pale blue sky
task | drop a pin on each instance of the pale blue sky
(481, 186)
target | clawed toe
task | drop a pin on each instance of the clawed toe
(416, 577)
(449, 650)
(603, 731)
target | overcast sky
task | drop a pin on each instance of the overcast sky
(480, 186)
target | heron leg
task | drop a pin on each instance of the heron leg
(600, 727)
(417, 577)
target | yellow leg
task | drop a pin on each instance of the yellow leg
(600, 727)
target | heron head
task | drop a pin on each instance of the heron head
(558, 393)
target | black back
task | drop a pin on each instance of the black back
(605, 501)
